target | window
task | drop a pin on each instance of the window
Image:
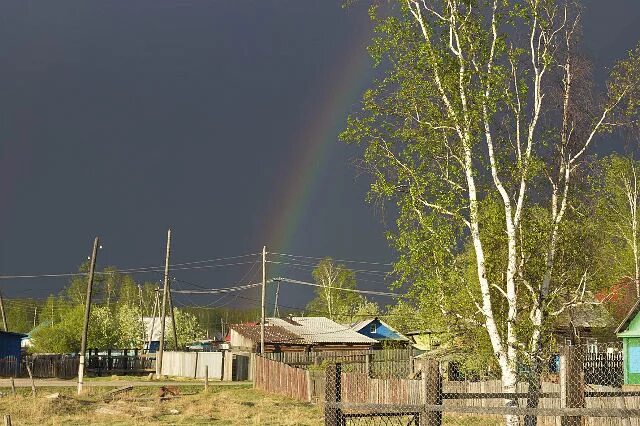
(373, 328)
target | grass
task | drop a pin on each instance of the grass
(222, 405)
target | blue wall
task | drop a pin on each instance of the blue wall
(382, 332)
(10, 344)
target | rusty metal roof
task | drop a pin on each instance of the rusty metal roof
(272, 333)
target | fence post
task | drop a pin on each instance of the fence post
(572, 383)
(367, 364)
(307, 376)
(206, 378)
(333, 415)
(7, 420)
(33, 385)
(195, 368)
(13, 387)
(432, 388)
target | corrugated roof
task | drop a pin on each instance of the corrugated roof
(321, 330)
(272, 333)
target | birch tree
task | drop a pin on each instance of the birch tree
(481, 121)
(618, 198)
(330, 299)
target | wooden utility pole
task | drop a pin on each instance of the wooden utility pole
(276, 311)
(141, 313)
(35, 316)
(173, 320)
(4, 316)
(87, 312)
(264, 285)
(165, 292)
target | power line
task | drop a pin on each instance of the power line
(360, 280)
(218, 290)
(311, 266)
(335, 260)
(120, 271)
(352, 290)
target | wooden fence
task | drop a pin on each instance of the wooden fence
(127, 361)
(280, 378)
(380, 363)
(10, 367)
(53, 366)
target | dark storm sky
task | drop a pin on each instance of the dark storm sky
(123, 118)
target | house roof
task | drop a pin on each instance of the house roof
(272, 333)
(11, 333)
(589, 315)
(321, 330)
(630, 316)
(364, 323)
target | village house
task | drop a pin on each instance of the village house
(629, 332)
(383, 333)
(588, 323)
(298, 334)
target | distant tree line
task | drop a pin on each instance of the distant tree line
(118, 305)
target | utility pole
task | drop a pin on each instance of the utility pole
(173, 320)
(87, 312)
(165, 293)
(4, 316)
(264, 285)
(35, 316)
(276, 311)
(141, 314)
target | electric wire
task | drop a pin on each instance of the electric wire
(364, 262)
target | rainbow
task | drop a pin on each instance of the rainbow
(347, 78)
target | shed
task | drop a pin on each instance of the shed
(152, 327)
(629, 331)
(10, 346)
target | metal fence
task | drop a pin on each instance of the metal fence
(192, 364)
(584, 389)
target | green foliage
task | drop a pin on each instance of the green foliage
(333, 298)
(424, 127)
(187, 327)
(115, 321)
